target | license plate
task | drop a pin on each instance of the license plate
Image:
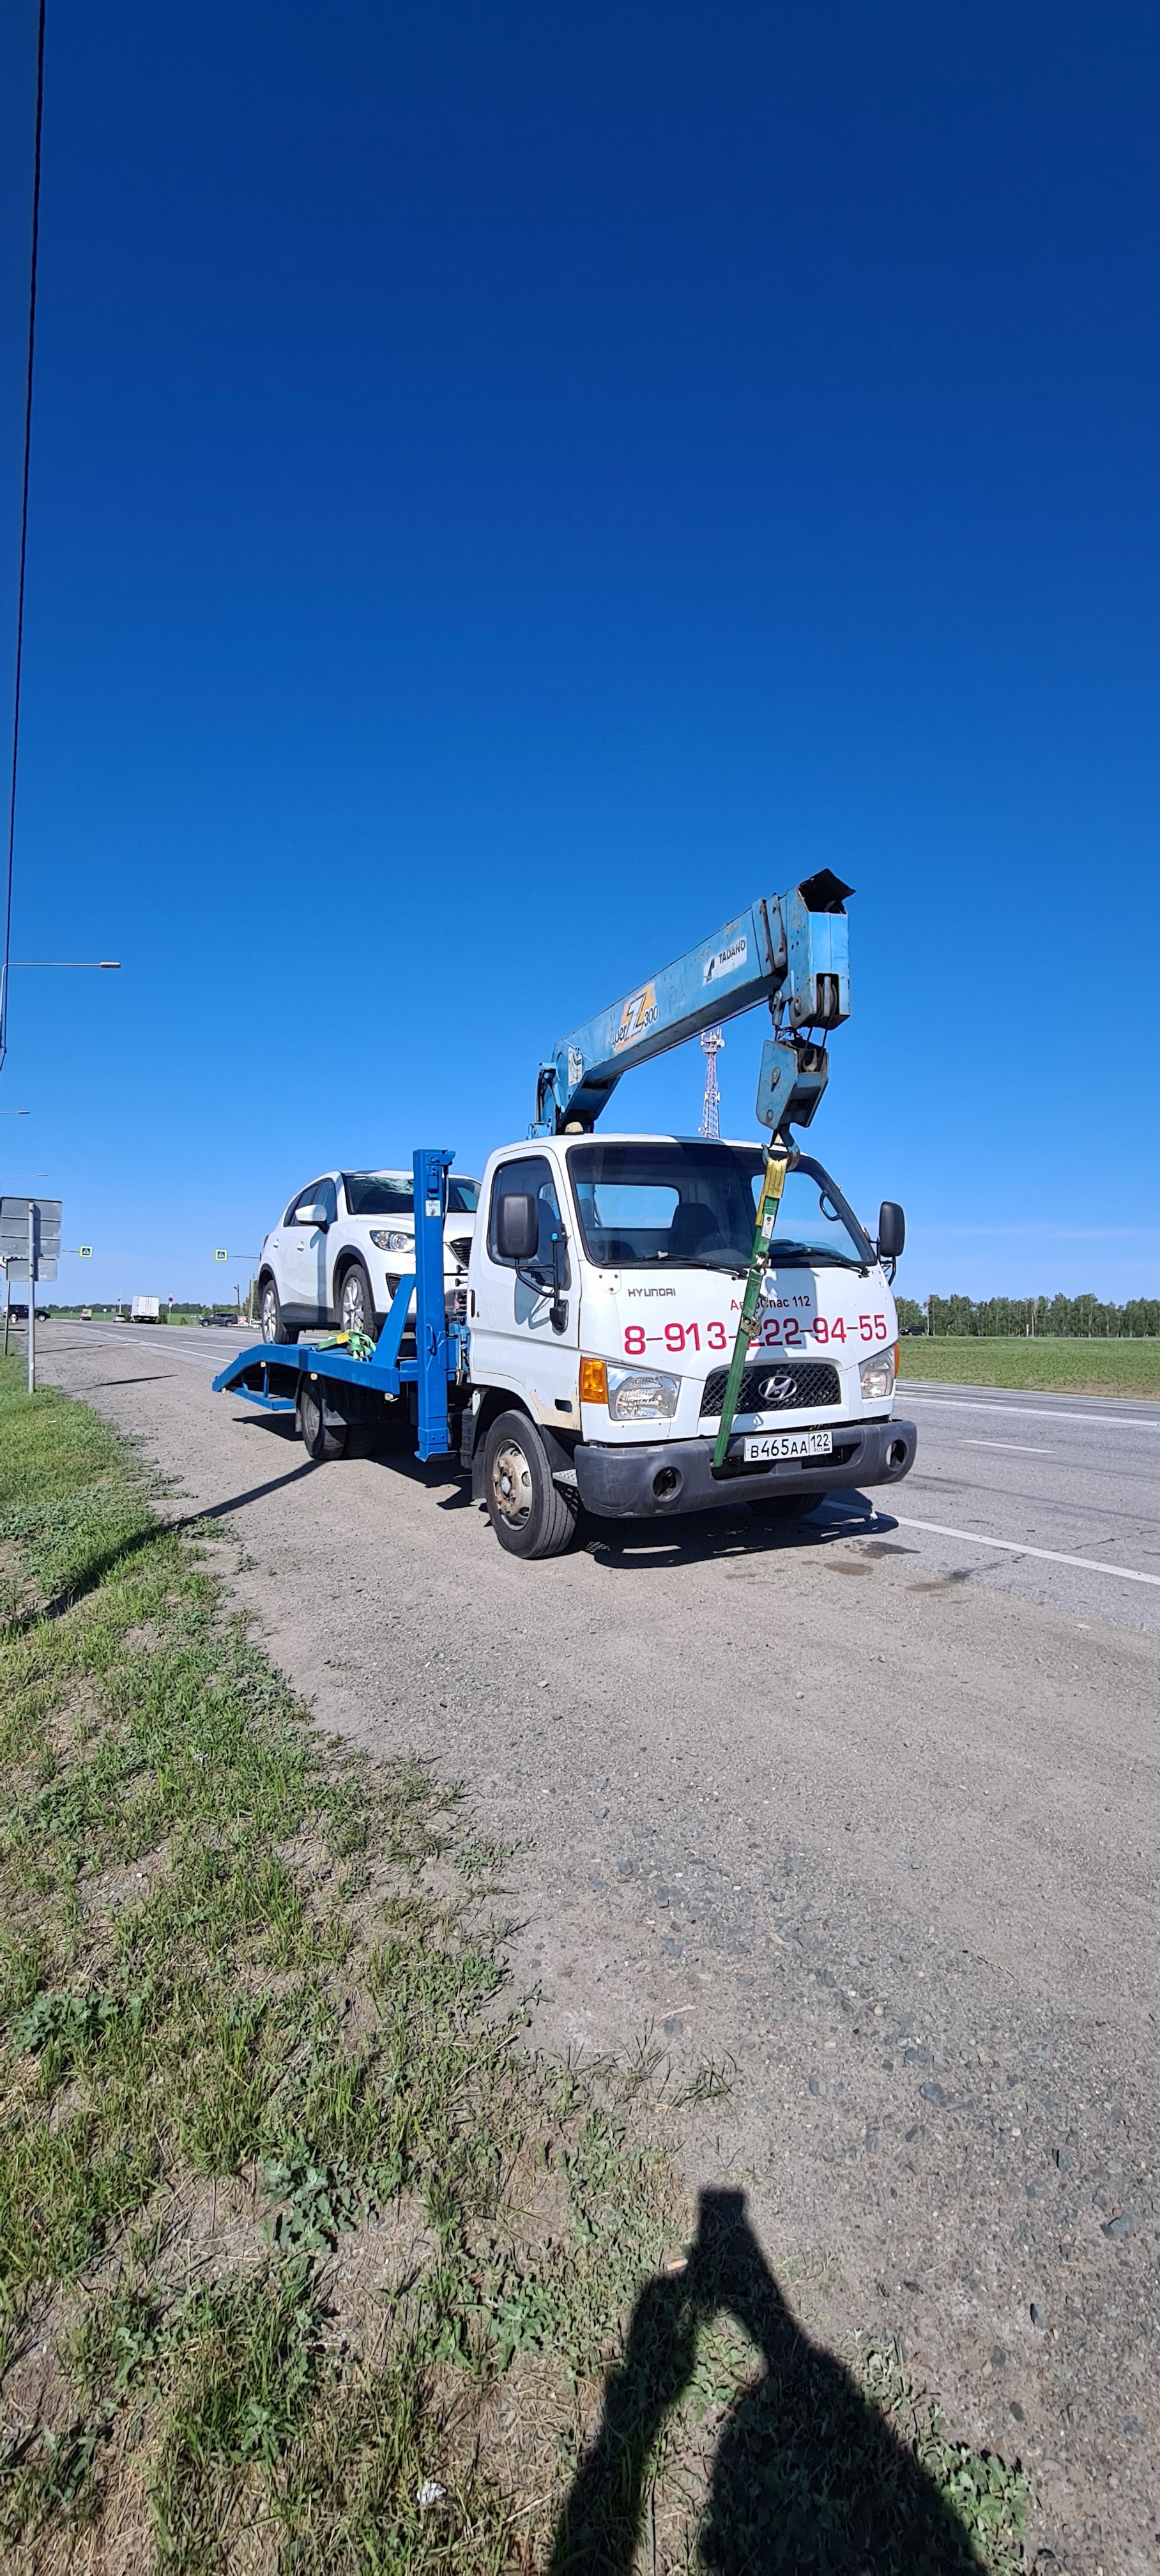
(789, 1444)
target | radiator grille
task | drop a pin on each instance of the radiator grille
(811, 1382)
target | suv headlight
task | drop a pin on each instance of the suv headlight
(877, 1374)
(392, 1242)
(642, 1395)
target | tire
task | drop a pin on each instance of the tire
(783, 1507)
(356, 1306)
(274, 1327)
(530, 1514)
(321, 1439)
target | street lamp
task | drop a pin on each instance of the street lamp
(241, 1256)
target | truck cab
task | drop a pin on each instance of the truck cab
(604, 1293)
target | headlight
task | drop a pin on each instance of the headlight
(642, 1395)
(877, 1375)
(392, 1242)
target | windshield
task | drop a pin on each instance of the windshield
(695, 1203)
(393, 1194)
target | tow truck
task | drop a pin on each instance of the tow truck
(654, 1325)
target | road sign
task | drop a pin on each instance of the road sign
(38, 1222)
(46, 1215)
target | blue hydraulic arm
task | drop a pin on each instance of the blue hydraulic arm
(434, 1349)
(788, 950)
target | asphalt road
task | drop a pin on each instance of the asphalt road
(867, 1814)
(1055, 1498)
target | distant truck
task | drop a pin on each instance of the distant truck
(146, 1310)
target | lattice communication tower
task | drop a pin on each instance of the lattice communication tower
(712, 1040)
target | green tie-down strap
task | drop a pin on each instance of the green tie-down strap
(361, 1346)
(777, 1165)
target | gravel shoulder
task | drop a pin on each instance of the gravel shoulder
(879, 1846)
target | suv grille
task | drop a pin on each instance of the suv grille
(810, 1382)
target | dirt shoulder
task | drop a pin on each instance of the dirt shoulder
(870, 1858)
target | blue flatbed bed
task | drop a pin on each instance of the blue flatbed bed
(272, 1374)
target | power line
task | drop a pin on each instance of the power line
(23, 531)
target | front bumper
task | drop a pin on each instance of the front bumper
(621, 1483)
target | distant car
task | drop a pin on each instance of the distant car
(85, 1316)
(343, 1245)
(909, 1330)
(19, 1314)
(223, 1316)
(44, 1314)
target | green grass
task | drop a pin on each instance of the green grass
(306, 2261)
(1065, 1366)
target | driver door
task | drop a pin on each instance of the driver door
(512, 1332)
(304, 1246)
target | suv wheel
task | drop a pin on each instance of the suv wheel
(270, 1314)
(530, 1514)
(356, 1306)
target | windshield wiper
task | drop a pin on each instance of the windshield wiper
(797, 1256)
(735, 1264)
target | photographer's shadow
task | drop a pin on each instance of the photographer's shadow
(807, 2475)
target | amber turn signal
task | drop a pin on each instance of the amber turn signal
(593, 1382)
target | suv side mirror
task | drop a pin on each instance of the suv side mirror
(891, 1231)
(316, 1217)
(517, 1227)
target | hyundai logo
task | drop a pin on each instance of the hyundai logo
(775, 1389)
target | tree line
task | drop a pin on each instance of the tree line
(1016, 1316)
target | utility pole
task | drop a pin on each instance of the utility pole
(32, 1296)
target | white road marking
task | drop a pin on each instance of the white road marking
(1020, 1445)
(1041, 1412)
(131, 1342)
(1020, 1547)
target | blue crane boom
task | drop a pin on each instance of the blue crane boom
(789, 950)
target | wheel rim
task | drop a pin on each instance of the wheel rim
(311, 1417)
(269, 1314)
(511, 1484)
(354, 1305)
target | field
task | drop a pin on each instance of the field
(1064, 1367)
(307, 2260)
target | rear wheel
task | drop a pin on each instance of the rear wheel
(530, 1514)
(274, 1327)
(321, 1439)
(783, 1507)
(356, 1306)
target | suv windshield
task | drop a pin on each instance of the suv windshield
(695, 1204)
(393, 1194)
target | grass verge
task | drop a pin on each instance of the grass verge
(306, 2261)
(1063, 1367)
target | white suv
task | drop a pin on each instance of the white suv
(344, 1244)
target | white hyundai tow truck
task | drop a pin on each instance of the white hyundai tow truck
(655, 1325)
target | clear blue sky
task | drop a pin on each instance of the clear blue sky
(512, 484)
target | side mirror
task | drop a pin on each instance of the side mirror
(891, 1231)
(317, 1218)
(517, 1227)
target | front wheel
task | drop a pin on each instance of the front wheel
(274, 1329)
(530, 1514)
(356, 1309)
(321, 1439)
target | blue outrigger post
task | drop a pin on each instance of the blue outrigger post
(271, 1373)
